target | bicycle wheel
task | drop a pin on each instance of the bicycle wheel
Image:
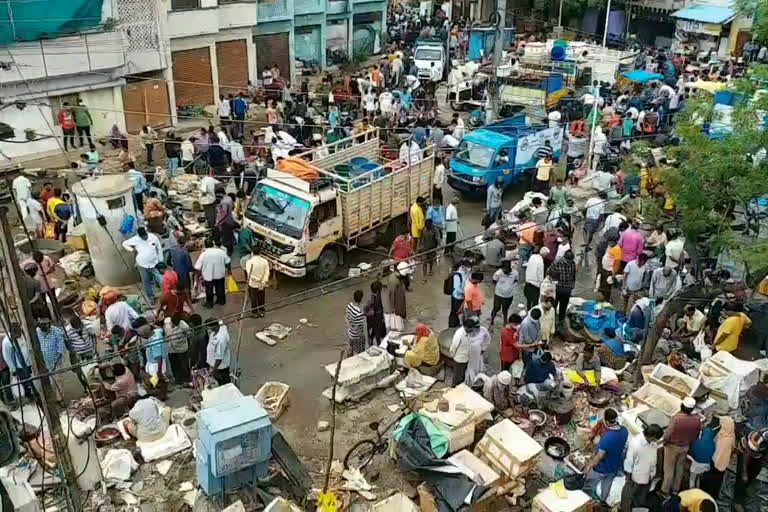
(360, 455)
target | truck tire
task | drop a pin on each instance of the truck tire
(327, 264)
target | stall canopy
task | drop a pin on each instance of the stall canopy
(706, 14)
(47, 19)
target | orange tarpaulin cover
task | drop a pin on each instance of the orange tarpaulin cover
(299, 168)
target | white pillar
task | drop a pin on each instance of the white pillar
(214, 71)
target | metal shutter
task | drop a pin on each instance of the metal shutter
(191, 74)
(273, 49)
(232, 62)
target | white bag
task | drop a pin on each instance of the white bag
(393, 322)
(700, 346)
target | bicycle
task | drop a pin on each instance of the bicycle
(363, 452)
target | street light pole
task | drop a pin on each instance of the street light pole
(560, 15)
(607, 19)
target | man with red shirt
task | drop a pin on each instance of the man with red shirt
(510, 352)
(67, 123)
(172, 301)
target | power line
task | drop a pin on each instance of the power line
(345, 282)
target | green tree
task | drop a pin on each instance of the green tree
(716, 177)
(758, 10)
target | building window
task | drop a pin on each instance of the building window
(180, 5)
(57, 104)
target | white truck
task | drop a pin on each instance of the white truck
(426, 53)
(305, 228)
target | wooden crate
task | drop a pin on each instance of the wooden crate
(508, 449)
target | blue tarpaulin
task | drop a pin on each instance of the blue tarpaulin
(642, 76)
(706, 13)
(32, 20)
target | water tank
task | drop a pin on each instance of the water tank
(111, 197)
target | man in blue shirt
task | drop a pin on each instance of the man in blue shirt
(460, 274)
(436, 214)
(51, 342)
(239, 110)
(607, 461)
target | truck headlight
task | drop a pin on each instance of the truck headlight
(478, 179)
(298, 261)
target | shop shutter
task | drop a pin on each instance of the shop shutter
(191, 75)
(133, 104)
(273, 49)
(232, 62)
(146, 102)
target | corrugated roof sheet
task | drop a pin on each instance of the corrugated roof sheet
(706, 13)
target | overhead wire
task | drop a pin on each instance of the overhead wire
(298, 297)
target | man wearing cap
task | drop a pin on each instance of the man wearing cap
(496, 390)
(399, 282)
(684, 428)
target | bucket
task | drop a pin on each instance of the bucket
(563, 410)
(343, 170)
(358, 161)
(567, 390)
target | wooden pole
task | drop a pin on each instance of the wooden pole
(333, 422)
(51, 409)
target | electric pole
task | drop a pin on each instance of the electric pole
(50, 408)
(498, 52)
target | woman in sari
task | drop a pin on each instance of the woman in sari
(425, 350)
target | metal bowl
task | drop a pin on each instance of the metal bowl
(537, 417)
(557, 447)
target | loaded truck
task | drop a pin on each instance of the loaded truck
(429, 53)
(506, 148)
(305, 226)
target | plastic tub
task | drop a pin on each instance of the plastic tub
(358, 161)
(343, 170)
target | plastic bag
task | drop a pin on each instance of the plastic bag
(232, 285)
(50, 231)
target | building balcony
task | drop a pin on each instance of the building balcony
(62, 56)
(337, 6)
(273, 10)
(308, 6)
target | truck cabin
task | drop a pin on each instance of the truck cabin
(490, 152)
(427, 52)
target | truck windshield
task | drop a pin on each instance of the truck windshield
(475, 154)
(428, 54)
(278, 210)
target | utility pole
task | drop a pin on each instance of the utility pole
(607, 19)
(498, 51)
(560, 16)
(51, 409)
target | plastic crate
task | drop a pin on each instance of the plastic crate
(659, 398)
(273, 397)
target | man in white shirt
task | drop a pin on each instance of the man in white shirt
(451, 225)
(674, 251)
(120, 313)
(534, 275)
(593, 213)
(187, 152)
(35, 219)
(208, 199)
(397, 70)
(385, 102)
(223, 139)
(212, 265)
(614, 220)
(602, 180)
(218, 354)
(434, 73)
(640, 467)
(18, 361)
(601, 141)
(554, 118)
(149, 252)
(224, 110)
(22, 191)
(458, 127)
(437, 183)
(257, 274)
(369, 103)
(460, 350)
(236, 152)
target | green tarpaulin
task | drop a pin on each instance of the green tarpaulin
(32, 20)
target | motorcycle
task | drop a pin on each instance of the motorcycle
(476, 119)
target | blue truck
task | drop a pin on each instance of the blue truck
(506, 148)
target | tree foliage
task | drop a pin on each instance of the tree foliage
(716, 178)
(758, 10)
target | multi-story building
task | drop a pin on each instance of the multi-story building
(59, 51)
(132, 62)
(218, 46)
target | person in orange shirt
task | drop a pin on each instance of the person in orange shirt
(473, 295)
(376, 76)
(609, 269)
(526, 231)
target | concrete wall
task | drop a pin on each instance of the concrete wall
(105, 105)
